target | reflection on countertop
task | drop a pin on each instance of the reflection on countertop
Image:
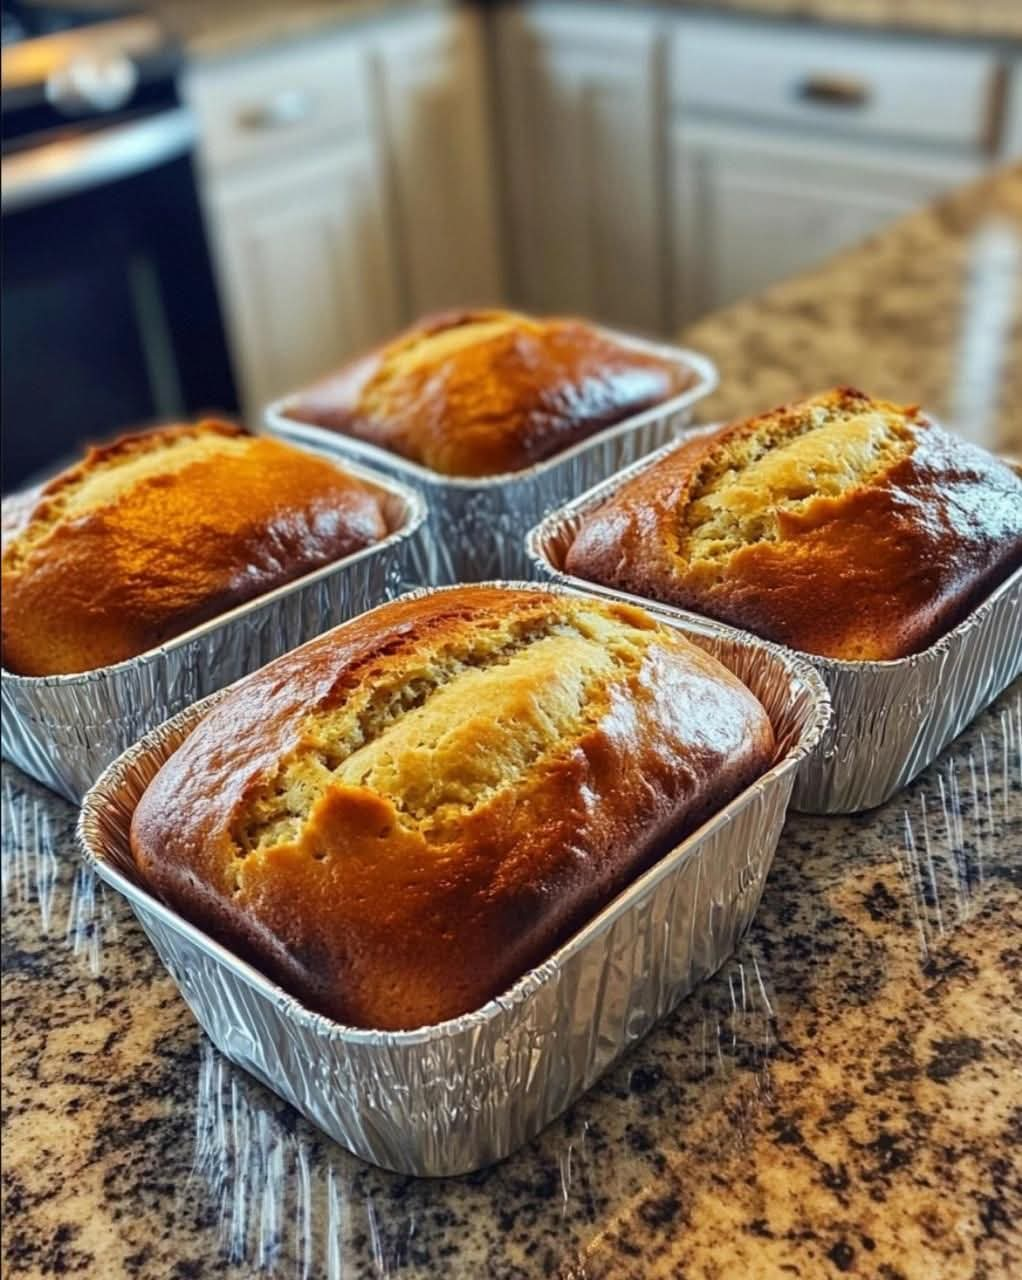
(929, 310)
(841, 1098)
(217, 28)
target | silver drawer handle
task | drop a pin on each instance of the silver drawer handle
(833, 91)
(284, 109)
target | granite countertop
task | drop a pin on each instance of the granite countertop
(968, 18)
(217, 28)
(843, 1098)
(222, 28)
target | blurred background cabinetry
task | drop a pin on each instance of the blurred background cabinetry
(787, 146)
(358, 166)
(579, 106)
(348, 186)
(638, 165)
(660, 165)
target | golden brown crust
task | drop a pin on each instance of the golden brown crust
(841, 526)
(400, 818)
(478, 393)
(158, 532)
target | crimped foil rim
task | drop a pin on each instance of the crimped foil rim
(90, 842)
(279, 422)
(537, 539)
(416, 513)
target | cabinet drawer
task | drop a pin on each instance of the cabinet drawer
(915, 89)
(276, 102)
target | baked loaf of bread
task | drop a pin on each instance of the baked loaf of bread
(398, 819)
(158, 532)
(841, 526)
(479, 393)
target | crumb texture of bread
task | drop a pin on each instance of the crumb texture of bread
(841, 526)
(399, 819)
(158, 532)
(480, 393)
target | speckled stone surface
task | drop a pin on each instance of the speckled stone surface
(223, 28)
(967, 18)
(220, 28)
(929, 310)
(843, 1098)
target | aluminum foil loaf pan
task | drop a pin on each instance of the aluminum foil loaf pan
(64, 730)
(478, 525)
(890, 719)
(453, 1097)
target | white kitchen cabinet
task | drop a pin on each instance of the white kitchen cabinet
(815, 79)
(653, 165)
(787, 144)
(430, 98)
(348, 185)
(305, 267)
(1011, 141)
(750, 209)
(581, 129)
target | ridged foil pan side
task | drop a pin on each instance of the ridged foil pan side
(65, 730)
(890, 719)
(477, 526)
(454, 1097)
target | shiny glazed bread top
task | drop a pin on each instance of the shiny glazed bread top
(157, 532)
(843, 526)
(480, 393)
(398, 819)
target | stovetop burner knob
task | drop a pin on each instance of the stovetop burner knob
(93, 83)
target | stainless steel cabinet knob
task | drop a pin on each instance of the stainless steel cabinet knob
(94, 83)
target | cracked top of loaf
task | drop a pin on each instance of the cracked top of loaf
(479, 393)
(842, 526)
(398, 819)
(158, 532)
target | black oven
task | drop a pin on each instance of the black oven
(110, 312)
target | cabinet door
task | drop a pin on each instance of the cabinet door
(427, 82)
(750, 211)
(579, 96)
(304, 268)
(1011, 134)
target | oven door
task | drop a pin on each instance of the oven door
(111, 318)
